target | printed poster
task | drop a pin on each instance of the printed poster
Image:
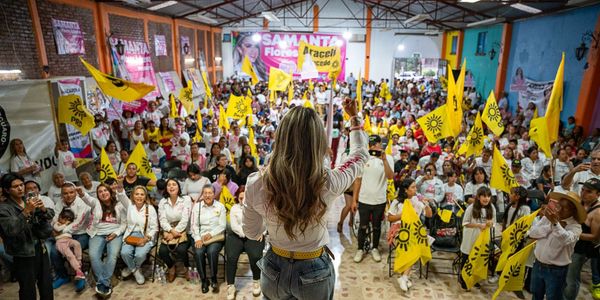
(80, 144)
(68, 37)
(160, 45)
(537, 92)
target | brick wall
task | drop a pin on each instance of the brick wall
(127, 28)
(17, 49)
(184, 31)
(160, 63)
(67, 64)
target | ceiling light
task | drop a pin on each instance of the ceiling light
(10, 71)
(256, 38)
(485, 22)
(339, 43)
(468, 1)
(401, 47)
(204, 19)
(283, 44)
(162, 5)
(432, 32)
(270, 16)
(526, 8)
(347, 35)
(417, 19)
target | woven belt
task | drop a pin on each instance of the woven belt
(297, 255)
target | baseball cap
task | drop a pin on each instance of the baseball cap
(593, 184)
(374, 139)
(516, 163)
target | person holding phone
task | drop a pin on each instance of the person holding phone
(370, 195)
(24, 225)
(582, 173)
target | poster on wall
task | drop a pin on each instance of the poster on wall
(168, 83)
(469, 80)
(68, 37)
(135, 65)
(280, 50)
(538, 93)
(98, 102)
(80, 144)
(195, 77)
(26, 114)
(518, 83)
(185, 45)
(160, 45)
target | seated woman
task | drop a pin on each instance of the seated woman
(247, 167)
(173, 215)
(142, 222)
(430, 186)
(208, 226)
(89, 186)
(105, 230)
(193, 185)
(478, 179)
(407, 192)
(236, 243)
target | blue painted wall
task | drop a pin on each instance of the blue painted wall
(537, 45)
(482, 68)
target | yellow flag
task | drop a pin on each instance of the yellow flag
(394, 129)
(272, 97)
(460, 212)
(502, 177)
(238, 107)
(278, 79)
(185, 96)
(359, 91)
(227, 199)
(206, 86)
(445, 215)
(252, 145)
(308, 104)
(513, 275)
(116, 87)
(491, 116)
(454, 100)
(72, 110)
(223, 122)
(388, 148)
(291, 92)
(106, 169)
(249, 69)
(367, 125)
(391, 190)
(412, 241)
(140, 159)
(474, 142)
(544, 130)
(173, 111)
(513, 236)
(327, 59)
(476, 267)
(435, 124)
(198, 136)
(535, 113)
(311, 85)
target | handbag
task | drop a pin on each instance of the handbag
(175, 242)
(135, 240)
(217, 238)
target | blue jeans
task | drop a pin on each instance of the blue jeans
(134, 256)
(574, 275)
(58, 261)
(282, 278)
(103, 269)
(549, 281)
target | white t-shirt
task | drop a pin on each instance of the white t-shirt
(560, 169)
(471, 189)
(580, 178)
(457, 192)
(396, 207)
(374, 183)
(487, 166)
(65, 165)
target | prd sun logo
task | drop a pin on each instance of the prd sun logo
(517, 234)
(187, 94)
(403, 237)
(494, 114)
(476, 136)
(434, 123)
(508, 176)
(420, 233)
(146, 166)
(75, 108)
(106, 172)
(513, 272)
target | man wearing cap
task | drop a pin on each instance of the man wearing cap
(516, 168)
(586, 246)
(370, 195)
(433, 158)
(580, 174)
(556, 233)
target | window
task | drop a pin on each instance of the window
(481, 43)
(454, 45)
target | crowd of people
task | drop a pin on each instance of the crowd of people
(125, 217)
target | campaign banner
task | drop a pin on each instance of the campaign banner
(26, 114)
(68, 37)
(538, 93)
(281, 50)
(168, 84)
(160, 45)
(80, 144)
(134, 65)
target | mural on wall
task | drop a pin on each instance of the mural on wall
(518, 83)
(68, 37)
(536, 92)
(160, 45)
(280, 50)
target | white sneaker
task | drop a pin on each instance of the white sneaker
(493, 279)
(408, 283)
(125, 272)
(358, 257)
(139, 277)
(375, 254)
(256, 288)
(230, 292)
(402, 281)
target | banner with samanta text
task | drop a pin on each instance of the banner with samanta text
(281, 50)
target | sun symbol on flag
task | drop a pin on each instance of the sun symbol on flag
(508, 175)
(187, 94)
(105, 172)
(75, 108)
(476, 136)
(434, 123)
(146, 165)
(485, 254)
(403, 236)
(494, 114)
(420, 232)
(517, 234)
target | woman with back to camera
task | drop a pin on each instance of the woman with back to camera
(290, 198)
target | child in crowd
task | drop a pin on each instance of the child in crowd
(66, 161)
(66, 245)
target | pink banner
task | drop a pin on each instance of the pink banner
(134, 65)
(280, 50)
(68, 37)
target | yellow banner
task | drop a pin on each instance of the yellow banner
(249, 69)
(491, 115)
(185, 96)
(502, 176)
(474, 142)
(327, 59)
(140, 159)
(513, 274)
(513, 236)
(278, 79)
(71, 110)
(239, 107)
(435, 124)
(106, 169)
(411, 242)
(227, 199)
(476, 267)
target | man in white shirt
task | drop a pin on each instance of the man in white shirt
(533, 164)
(370, 194)
(556, 233)
(582, 173)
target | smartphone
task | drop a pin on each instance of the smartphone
(375, 153)
(553, 204)
(30, 195)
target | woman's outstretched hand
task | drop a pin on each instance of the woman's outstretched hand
(350, 107)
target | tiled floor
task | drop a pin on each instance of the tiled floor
(367, 280)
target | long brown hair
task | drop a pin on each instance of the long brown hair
(482, 191)
(294, 178)
(108, 209)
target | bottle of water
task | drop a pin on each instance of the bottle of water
(190, 275)
(196, 276)
(157, 275)
(163, 278)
